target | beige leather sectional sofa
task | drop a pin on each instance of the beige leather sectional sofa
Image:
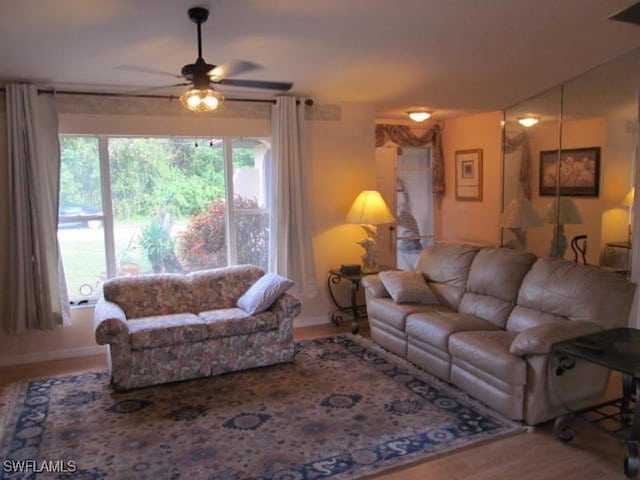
(494, 318)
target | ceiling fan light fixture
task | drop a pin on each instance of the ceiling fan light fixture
(202, 99)
(528, 121)
(419, 116)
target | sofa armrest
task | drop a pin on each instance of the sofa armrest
(110, 323)
(539, 340)
(374, 286)
(290, 305)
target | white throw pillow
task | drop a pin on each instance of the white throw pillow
(263, 293)
(408, 287)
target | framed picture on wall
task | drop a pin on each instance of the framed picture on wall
(469, 174)
(579, 170)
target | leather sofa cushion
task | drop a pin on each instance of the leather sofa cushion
(491, 309)
(494, 280)
(558, 289)
(489, 351)
(227, 322)
(446, 268)
(395, 314)
(166, 330)
(447, 263)
(435, 327)
(498, 272)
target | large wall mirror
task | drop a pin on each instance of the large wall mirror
(568, 174)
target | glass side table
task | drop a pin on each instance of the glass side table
(619, 350)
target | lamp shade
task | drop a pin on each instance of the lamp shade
(520, 214)
(369, 208)
(568, 215)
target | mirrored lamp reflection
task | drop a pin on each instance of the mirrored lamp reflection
(562, 211)
(202, 99)
(627, 202)
(369, 210)
(517, 217)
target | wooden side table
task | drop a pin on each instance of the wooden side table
(619, 350)
(356, 310)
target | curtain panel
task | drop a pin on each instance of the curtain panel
(510, 145)
(37, 297)
(403, 136)
(291, 243)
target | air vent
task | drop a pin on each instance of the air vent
(628, 15)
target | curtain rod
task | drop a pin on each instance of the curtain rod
(308, 101)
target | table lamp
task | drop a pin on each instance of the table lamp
(369, 210)
(561, 211)
(518, 216)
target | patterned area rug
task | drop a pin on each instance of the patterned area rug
(345, 408)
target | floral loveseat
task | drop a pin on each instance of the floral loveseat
(486, 319)
(168, 327)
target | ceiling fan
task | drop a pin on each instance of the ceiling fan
(201, 76)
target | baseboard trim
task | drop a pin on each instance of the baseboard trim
(55, 355)
(310, 321)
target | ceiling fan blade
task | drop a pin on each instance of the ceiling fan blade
(162, 87)
(231, 69)
(233, 82)
(142, 91)
(153, 71)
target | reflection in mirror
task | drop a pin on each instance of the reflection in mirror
(522, 145)
(575, 166)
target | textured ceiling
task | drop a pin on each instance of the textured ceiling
(450, 56)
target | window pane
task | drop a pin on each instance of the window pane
(168, 202)
(169, 211)
(80, 192)
(80, 221)
(250, 162)
(84, 260)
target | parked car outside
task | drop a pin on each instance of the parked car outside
(72, 217)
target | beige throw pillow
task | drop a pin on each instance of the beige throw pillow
(408, 287)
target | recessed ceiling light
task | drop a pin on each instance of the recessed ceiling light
(419, 116)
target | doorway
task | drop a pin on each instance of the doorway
(404, 180)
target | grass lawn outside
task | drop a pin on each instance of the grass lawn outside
(84, 257)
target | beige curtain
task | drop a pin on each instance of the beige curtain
(404, 137)
(36, 290)
(511, 143)
(291, 243)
